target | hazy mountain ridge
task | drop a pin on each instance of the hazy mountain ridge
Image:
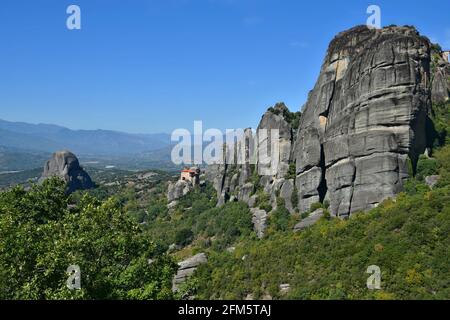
(48, 138)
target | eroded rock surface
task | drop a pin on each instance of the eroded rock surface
(178, 189)
(309, 221)
(234, 180)
(187, 268)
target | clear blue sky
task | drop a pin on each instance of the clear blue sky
(155, 65)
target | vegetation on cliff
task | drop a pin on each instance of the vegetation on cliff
(408, 238)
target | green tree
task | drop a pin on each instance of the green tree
(42, 235)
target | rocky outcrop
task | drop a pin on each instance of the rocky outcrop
(440, 69)
(362, 129)
(285, 288)
(259, 219)
(286, 192)
(178, 189)
(364, 119)
(309, 220)
(274, 119)
(65, 164)
(233, 180)
(186, 268)
(432, 181)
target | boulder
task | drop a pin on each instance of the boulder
(365, 116)
(178, 189)
(309, 221)
(245, 192)
(285, 288)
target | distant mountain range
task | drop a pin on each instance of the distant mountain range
(49, 138)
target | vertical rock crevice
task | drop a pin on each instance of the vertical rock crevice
(367, 109)
(323, 188)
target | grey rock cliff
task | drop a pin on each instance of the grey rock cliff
(440, 69)
(365, 123)
(65, 164)
(309, 221)
(364, 118)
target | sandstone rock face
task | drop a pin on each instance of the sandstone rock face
(217, 175)
(245, 193)
(187, 268)
(364, 118)
(65, 164)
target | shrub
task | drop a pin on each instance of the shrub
(316, 206)
(426, 167)
(184, 237)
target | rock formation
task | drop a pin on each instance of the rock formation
(259, 220)
(178, 189)
(237, 181)
(189, 178)
(361, 131)
(309, 221)
(187, 268)
(440, 69)
(65, 164)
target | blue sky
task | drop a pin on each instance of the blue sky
(155, 65)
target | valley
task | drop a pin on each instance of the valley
(361, 182)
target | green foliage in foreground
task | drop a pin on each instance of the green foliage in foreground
(197, 219)
(41, 237)
(408, 238)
